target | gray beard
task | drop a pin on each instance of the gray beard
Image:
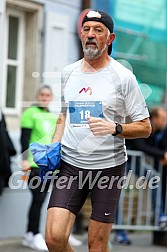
(92, 53)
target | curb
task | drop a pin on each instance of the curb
(7, 241)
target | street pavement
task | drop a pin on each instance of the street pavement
(141, 242)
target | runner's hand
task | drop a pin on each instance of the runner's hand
(101, 127)
(25, 165)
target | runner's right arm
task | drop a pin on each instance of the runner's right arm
(59, 131)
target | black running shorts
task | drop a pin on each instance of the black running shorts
(73, 185)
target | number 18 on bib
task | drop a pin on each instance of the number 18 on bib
(80, 110)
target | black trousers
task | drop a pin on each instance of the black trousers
(39, 192)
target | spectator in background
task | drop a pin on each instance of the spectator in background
(150, 145)
(7, 150)
(37, 125)
(163, 145)
(155, 146)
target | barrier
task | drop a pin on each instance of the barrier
(141, 202)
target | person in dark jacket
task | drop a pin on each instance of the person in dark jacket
(152, 145)
(7, 150)
(155, 146)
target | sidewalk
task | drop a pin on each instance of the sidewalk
(140, 242)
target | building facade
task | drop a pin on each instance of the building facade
(38, 38)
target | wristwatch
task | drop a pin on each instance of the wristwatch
(118, 129)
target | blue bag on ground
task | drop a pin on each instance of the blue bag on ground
(47, 157)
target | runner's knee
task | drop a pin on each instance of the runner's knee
(58, 241)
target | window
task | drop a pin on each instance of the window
(14, 60)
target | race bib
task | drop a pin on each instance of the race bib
(80, 110)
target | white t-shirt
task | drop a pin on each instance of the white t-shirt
(112, 93)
